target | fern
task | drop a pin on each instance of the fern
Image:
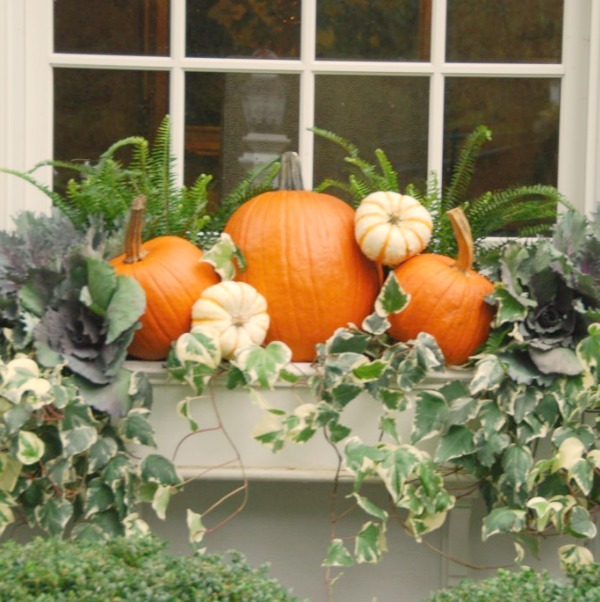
(531, 209)
(462, 173)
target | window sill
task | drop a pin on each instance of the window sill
(224, 446)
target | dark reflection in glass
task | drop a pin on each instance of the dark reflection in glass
(94, 108)
(112, 26)
(523, 115)
(373, 112)
(376, 30)
(236, 122)
(244, 28)
(505, 31)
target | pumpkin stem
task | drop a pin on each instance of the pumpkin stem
(290, 174)
(464, 239)
(133, 236)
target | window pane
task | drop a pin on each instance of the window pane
(380, 30)
(523, 117)
(505, 31)
(94, 108)
(236, 122)
(243, 28)
(112, 27)
(373, 112)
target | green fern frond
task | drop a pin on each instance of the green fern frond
(333, 183)
(390, 176)
(350, 149)
(462, 173)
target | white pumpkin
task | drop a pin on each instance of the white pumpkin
(390, 227)
(237, 311)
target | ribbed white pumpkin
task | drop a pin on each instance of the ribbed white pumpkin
(237, 311)
(390, 227)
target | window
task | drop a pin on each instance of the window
(244, 81)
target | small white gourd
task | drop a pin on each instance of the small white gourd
(237, 311)
(390, 227)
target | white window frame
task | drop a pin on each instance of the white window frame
(26, 100)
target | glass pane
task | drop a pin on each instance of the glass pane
(505, 31)
(523, 117)
(243, 28)
(373, 112)
(236, 122)
(94, 108)
(112, 27)
(379, 30)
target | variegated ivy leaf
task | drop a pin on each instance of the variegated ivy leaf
(580, 523)
(53, 515)
(196, 357)
(7, 516)
(99, 497)
(37, 392)
(158, 469)
(582, 472)
(225, 257)
(369, 507)
(20, 370)
(201, 348)
(570, 451)
(10, 469)
(184, 411)
(262, 365)
(135, 526)
(428, 352)
(391, 299)
(516, 463)
(369, 371)
(456, 443)
(375, 324)
(396, 466)
(361, 458)
(421, 525)
(431, 411)
(60, 471)
(161, 499)
(462, 410)
(196, 530)
(588, 350)
(489, 373)
(136, 427)
(544, 510)
(337, 554)
(370, 543)
(571, 554)
(101, 452)
(504, 520)
(76, 441)
(347, 340)
(30, 448)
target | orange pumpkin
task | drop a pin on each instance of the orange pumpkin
(170, 271)
(302, 257)
(447, 298)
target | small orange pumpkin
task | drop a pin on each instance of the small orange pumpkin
(302, 257)
(447, 298)
(170, 271)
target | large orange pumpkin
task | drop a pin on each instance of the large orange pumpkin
(170, 271)
(447, 298)
(302, 257)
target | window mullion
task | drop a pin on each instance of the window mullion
(592, 175)
(573, 105)
(177, 86)
(306, 117)
(437, 88)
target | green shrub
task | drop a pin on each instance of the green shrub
(132, 570)
(528, 585)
